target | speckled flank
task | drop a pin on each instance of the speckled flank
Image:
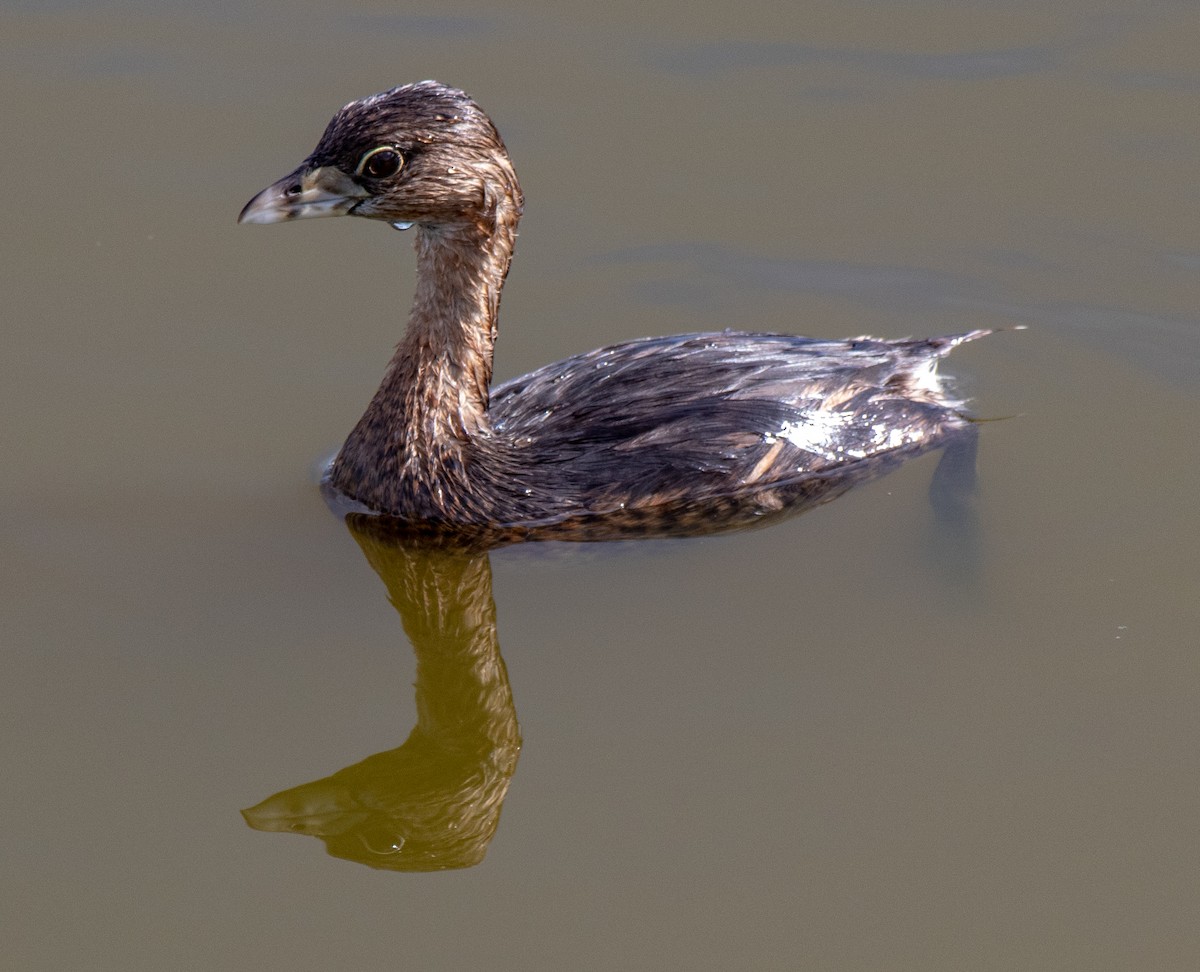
(664, 434)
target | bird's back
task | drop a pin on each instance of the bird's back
(658, 420)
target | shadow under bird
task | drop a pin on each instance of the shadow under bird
(668, 434)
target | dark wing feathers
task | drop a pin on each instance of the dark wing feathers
(627, 388)
(706, 411)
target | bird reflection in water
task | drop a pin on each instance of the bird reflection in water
(434, 802)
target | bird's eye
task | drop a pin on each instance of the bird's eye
(380, 163)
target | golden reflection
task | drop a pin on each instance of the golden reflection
(434, 802)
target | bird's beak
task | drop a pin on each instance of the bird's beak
(305, 193)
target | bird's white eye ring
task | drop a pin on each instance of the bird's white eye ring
(380, 163)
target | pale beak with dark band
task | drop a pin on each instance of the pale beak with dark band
(304, 194)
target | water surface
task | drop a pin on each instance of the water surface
(807, 746)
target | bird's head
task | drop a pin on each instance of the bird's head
(421, 153)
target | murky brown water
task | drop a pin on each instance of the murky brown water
(810, 746)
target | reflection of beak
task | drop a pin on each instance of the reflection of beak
(305, 193)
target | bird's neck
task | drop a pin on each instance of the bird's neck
(443, 365)
(432, 405)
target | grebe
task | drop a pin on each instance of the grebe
(650, 429)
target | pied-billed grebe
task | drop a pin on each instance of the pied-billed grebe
(658, 424)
